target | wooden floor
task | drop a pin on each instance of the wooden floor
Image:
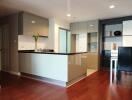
(94, 87)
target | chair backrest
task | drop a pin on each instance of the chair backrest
(125, 56)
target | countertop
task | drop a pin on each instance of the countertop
(49, 52)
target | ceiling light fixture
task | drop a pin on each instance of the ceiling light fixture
(91, 25)
(33, 22)
(69, 15)
(68, 8)
(112, 6)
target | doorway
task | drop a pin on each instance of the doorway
(64, 40)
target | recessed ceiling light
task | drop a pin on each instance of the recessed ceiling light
(112, 6)
(33, 22)
(69, 15)
(91, 25)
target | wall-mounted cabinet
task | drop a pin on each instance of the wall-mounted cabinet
(78, 27)
(74, 28)
(30, 24)
(92, 42)
(92, 26)
(84, 27)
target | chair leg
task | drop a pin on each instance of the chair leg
(118, 76)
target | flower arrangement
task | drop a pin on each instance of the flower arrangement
(36, 37)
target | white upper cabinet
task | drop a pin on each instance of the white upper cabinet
(74, 28)
(127, 27)
(78, 27)
(30, 24)
(92, 26)
(84, 27)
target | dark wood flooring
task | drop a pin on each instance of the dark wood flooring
(94, 87)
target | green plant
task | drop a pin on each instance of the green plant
(36, 37)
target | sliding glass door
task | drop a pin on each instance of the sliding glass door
(64, 40)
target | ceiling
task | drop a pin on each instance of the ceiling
(80, 9)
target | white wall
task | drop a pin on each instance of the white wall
(127, 27)
(127, 33)
(127, 41)
(51, 33)
(27, 43)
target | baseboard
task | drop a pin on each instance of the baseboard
(4, 71)
(72, 82)
(44, 79)
(12, 72)
(15, 73)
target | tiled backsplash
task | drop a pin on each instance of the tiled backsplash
(27, 43)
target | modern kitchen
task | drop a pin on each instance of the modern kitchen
(65, 52)
(58, 58)
(67, 63)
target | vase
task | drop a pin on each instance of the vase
(117, 33)
(36, 46)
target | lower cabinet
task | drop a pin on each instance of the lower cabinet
(92, 61)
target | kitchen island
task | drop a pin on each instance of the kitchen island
(56, 68)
